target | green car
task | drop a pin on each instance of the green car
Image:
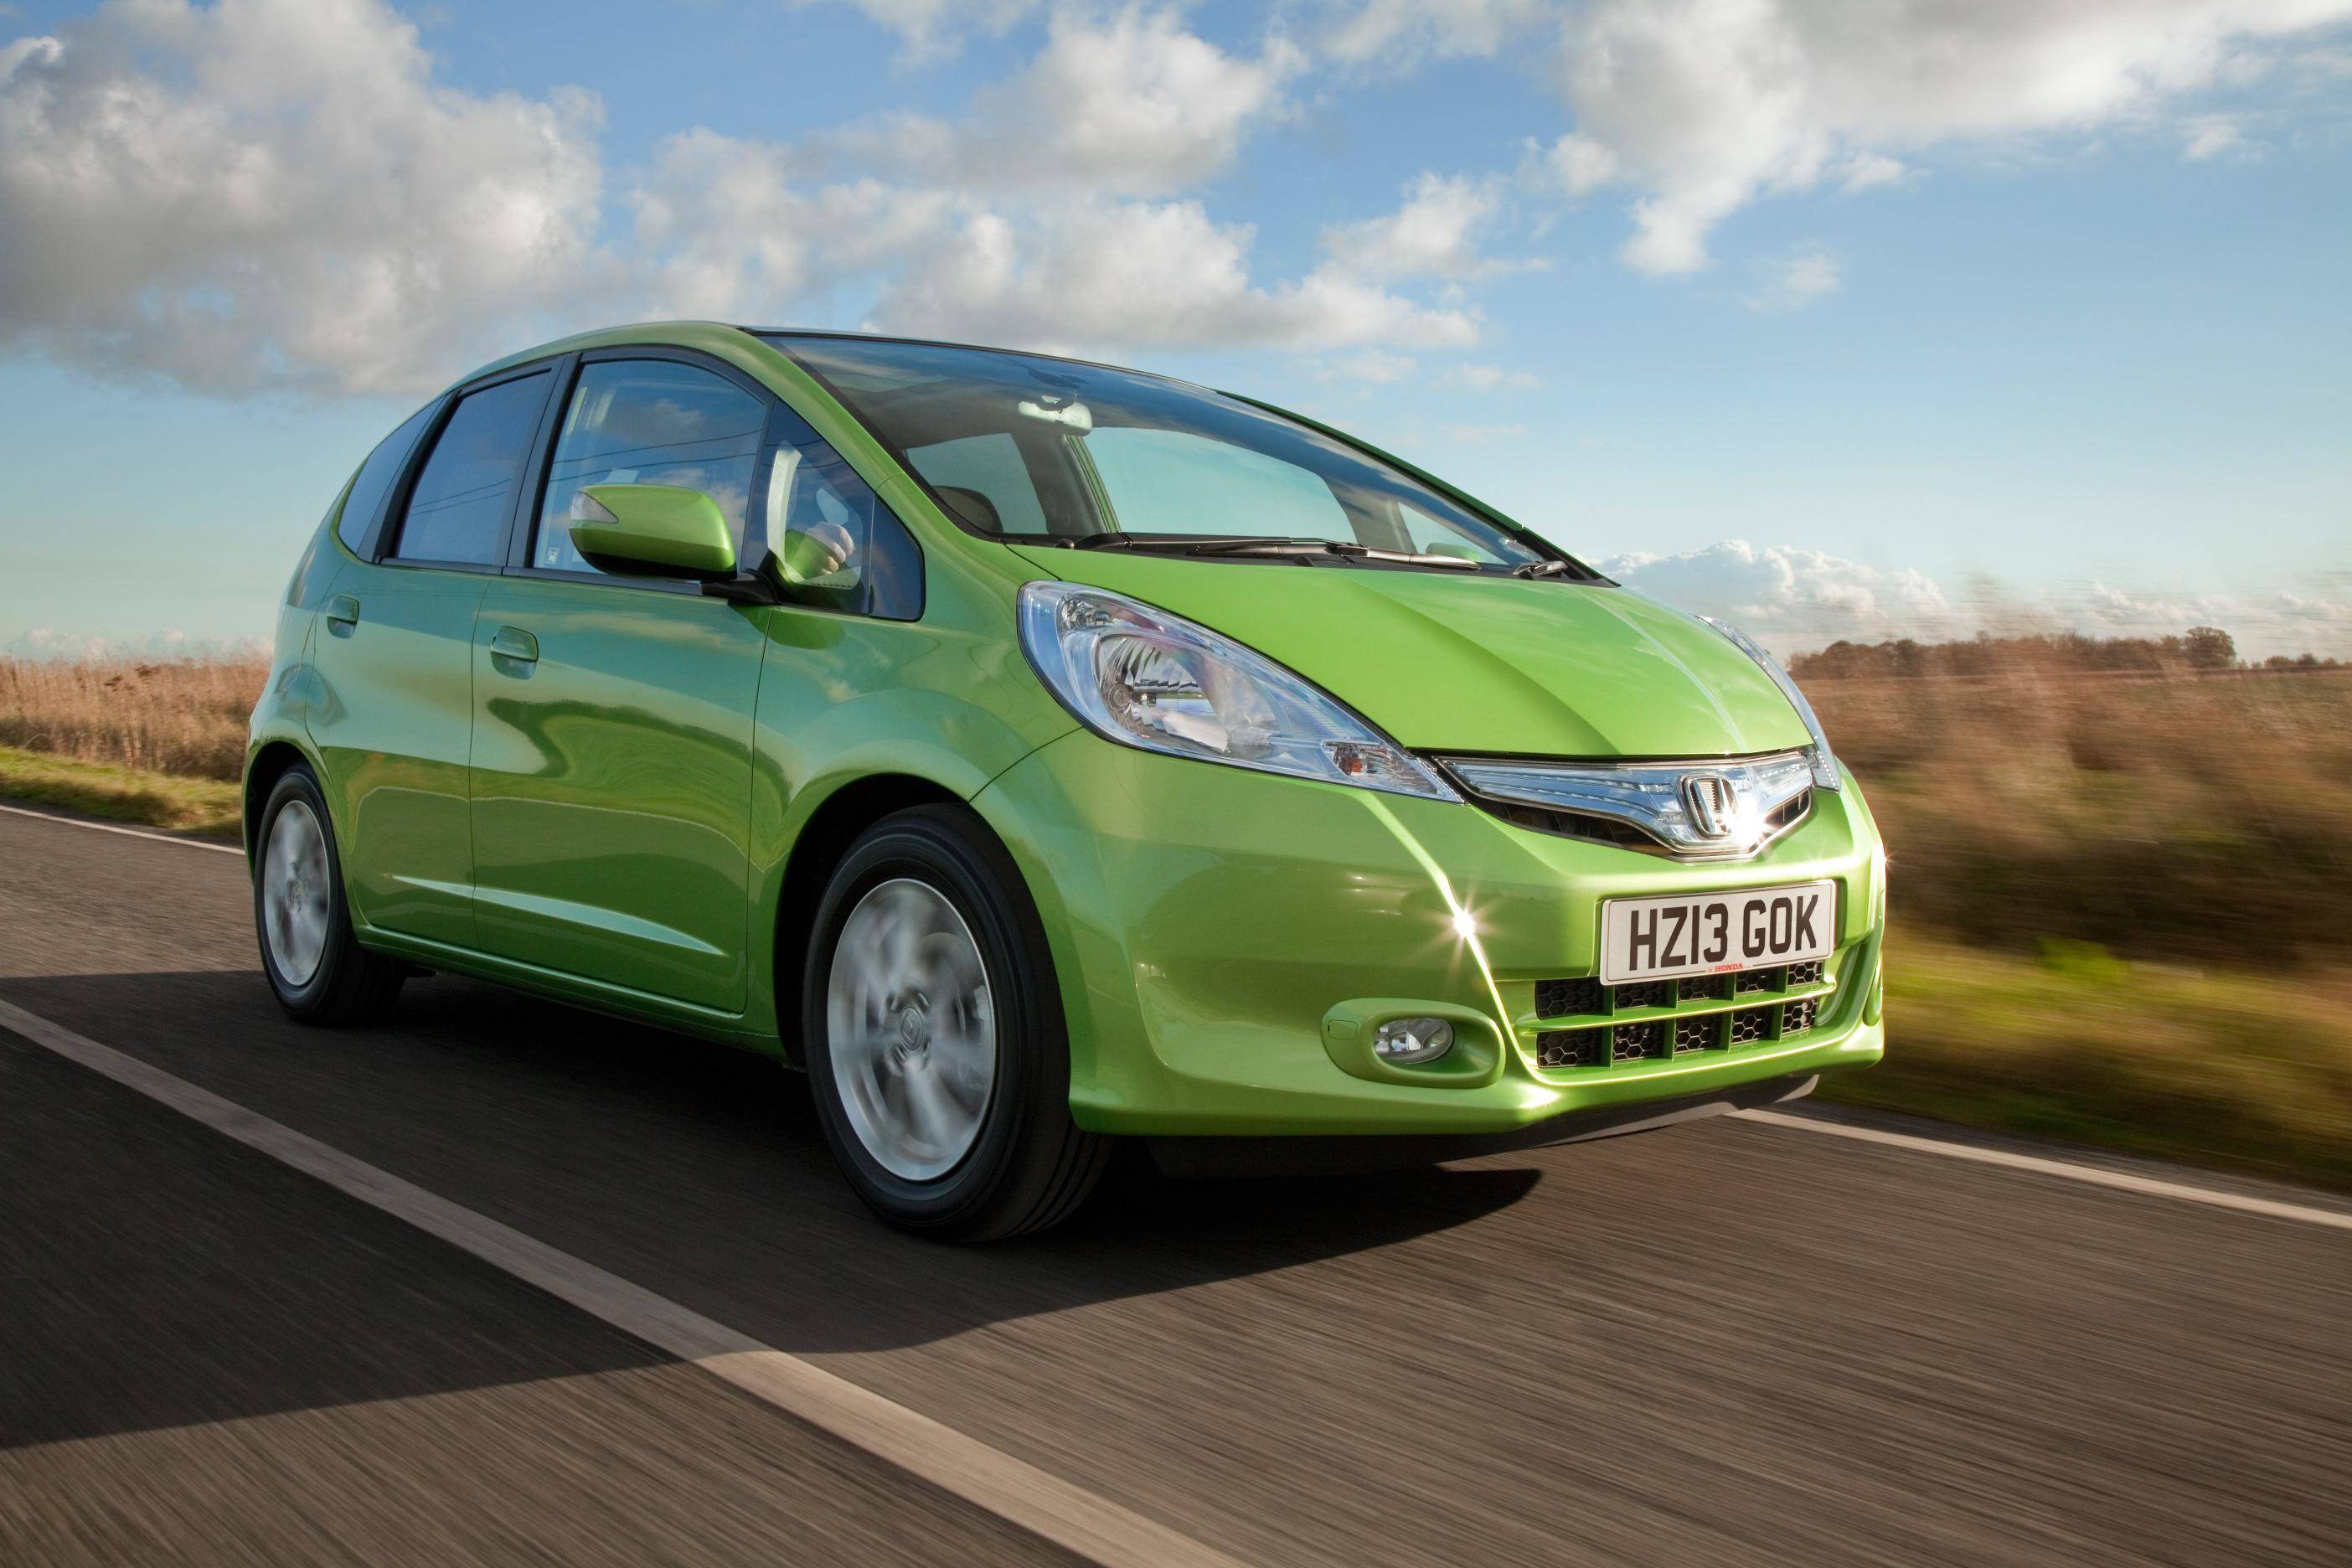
(1038, 753)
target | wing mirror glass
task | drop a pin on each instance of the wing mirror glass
(652, 530)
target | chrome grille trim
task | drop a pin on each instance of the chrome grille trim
(1644, 806)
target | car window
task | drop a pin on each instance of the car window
(651, 422)
(1116, 451)
(835, 541)
(376, 476)
(1171, 481)
(1432, 537)
(457, 509)
(989, 466)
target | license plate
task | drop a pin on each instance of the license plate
(1715, 933)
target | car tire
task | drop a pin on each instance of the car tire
(316, 966)
(934, 1038)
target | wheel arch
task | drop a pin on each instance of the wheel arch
(823, 839)
(268, 765)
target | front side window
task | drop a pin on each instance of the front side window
(1107, 452)
(836, 542)
(458, 507)
(376, 476)
(650, 422)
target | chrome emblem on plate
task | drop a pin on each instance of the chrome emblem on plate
(1713, 801)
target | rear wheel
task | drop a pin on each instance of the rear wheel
(934, 1036)
(316, 968)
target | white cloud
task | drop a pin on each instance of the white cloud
(1794, 601)
(2208, 135)
(47, 642)
(282, 193)
(1699, 106)
(1490, 378)
(1791, 599)
(267, 191)
(1435, 233)
(933, 29)
(1127, 104)
(1101, 275)
(1398, 34)
(1795, 281)
(1374, 367)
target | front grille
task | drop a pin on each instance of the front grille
(1635, 1042)
(1564, 998)
(1572, 1047)
(1695, 1015)
(1704, 1032)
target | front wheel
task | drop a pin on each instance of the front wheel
(318, 969)
(934, 1038)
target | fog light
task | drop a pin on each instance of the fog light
(1411, 1042)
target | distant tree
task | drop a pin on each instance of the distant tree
(2210, 648)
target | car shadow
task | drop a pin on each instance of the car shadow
(689, 1168)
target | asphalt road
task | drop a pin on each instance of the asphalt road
(1728, 1342)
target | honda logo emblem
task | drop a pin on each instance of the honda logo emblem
(1712, 802)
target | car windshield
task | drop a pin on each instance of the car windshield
(1028, 447)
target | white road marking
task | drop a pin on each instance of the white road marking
(126, 832)
(2122, 1181)
(1035, 1500)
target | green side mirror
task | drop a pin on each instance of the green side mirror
(652, 530)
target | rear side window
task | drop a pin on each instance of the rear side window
(837, 541)
(650, 422)
(457, 509)
(375, 476)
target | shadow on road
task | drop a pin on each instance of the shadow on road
(689, 1168)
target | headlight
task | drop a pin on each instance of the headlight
(1825, 768)
(1147, 678)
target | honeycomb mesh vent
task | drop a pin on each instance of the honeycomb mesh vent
(1572, 1047)
(1750, 1025)
(1633, 1042)
(1564, 998)
(1699, 1033)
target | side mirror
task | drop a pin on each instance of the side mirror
(652, 530)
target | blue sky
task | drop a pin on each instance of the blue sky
(1989, 310)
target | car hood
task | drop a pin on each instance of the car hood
(1456, 662)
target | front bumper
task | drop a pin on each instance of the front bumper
(1216, 931)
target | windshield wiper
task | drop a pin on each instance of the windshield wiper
(1541, 569)
(1308, 549)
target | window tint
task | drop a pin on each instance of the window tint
(1113, 450)
(1171, 481)
(651, 422)
(1426, 534)
(989, 466)
(457, 509)
(375, 476)
(835, 540)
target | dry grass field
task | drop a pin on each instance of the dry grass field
(181, 716)
(2120, 900)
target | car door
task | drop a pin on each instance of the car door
(394, 650)
(612, 724)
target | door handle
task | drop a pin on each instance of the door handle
(516, 644)
(342, 609)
